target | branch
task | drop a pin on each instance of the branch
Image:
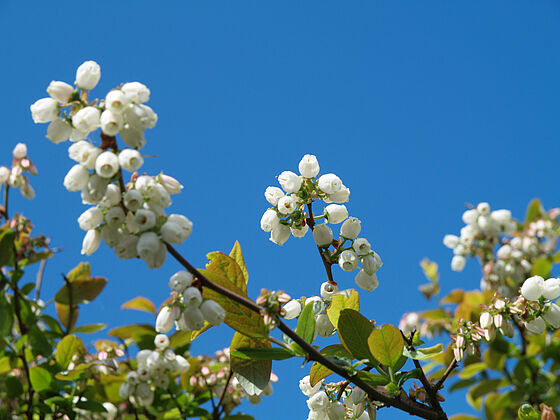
(327, 264)
(70, 304)
(409, 406)
(448, 371)
(216, 413)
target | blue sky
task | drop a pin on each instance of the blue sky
(419, 107)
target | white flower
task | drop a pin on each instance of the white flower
(115, 216)
(308, 166)
(193, 318)
(552, 316)
(110, 235)
(146, 219)
(151, 250)
(330, 183)
(340, 196)
(458, 263)
(213, 312)
(111, 122)
(130, 160)
(133, 200)
(181, 364)
(60, 91)
(185, 227)
(116, 101)
(533, 288)
(486, 320)
(59, 130)
(307, 389)
(4, 174)
(88, 75)
(112, 196)
(132, 137)
(328, 290)
(76, 178)
(140, 116)
(280, 234)
(44, 110)
(371, 263)
(290, 182)
(111, 410)
(126, 248)
(361, 246)
(348, 260)
(483, 208)
(470, 216)
(144, 184)
(91, 218)
(192, 297)
(180, 280)
(172, 233)
(91, 242)
(300, 231)
(292, 309)
(351, 227)
(451, 241)
(171, 185)
(86, 119)
(318, 401)
(269, 220)
(273, 194)
(367, 281)
(323, 326)
(165, 319)
(323, 235)
(136, 92)
(287, 204)
(551, 288)
(536, 326)
(126, 390)
(504, 252)
(84, 153)
(501, 216)
(336, 213)
(336, 411)
(107, 164)
(77, 135)
(27, 191)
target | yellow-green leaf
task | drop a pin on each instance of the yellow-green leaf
(253, 375)
(228, 267)
(340, 302)
(430, 270)
(140, 303)
(129, 331)
(318, 371)
(63, 312)
(237, 255)
(67, 348)
(386, 344)
(541, 267)
(424, 353)
(81, 271)
(84, 290)
(471, 370)
(41, 379)
(535, 211)
(354, 330)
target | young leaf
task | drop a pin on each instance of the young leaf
(535, 211)
(424, 353)
(140, 303)
(228, 267)
(41, 379)
(430, 270)
(373, 379)
(318, 371)
(340, 302)
(89, 328)
(541, 267)
(386, 344)
(67, 348)
(253, 375)
(129, 331)
(306, 323)
(248, 353)
(84, 290)
(354, 330)
(63, 312)
(237, 255)
(39, 343)
(7, 247)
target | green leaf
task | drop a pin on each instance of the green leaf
(471, 370)
(41, 379)
(486, 386)
(386, 344)
(7, 237)
(373, 379)
(14, 388)
(541, 267)
(306, 323)
(318, 371)
(179, 339)
(430, 270)
(67, 348)
(39, 343)
(238, 316)
(239, 417)
(464, 417)
(424, 353)
(140, 303)
(92, 406)
(84, 290)
(237, 256)
(340, 302)
(81, 271)
(26, 289)
(228, 267)
(527, 412)
(354, 330)
(275, 353)
(253, 375)
(534, 211)
(129, 331)
(89, 328)
(6, 317)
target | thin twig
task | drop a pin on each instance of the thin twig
(448, 371)
(221, 400)
(70, 304)
(326, 263)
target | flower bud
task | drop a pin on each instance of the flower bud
(90, 219)
(323, 326)
(361, 246)
(552, 316)
(181, 364)
(292, 309)
(193, 318)
(486, 320)
(60, 91)
(280, 234)
(323, 235)
(59, 130)
(336, 213)
(367, 281)
(171, 185)
(483, 208)
(533, 288)
(127, 247)
(507, 328)
(308, 166)
(20, 151)
(340, 196)
(4, 174)
(151, 250)
(116, 101)
(86, 119)
(458, 263)
(551, 288)
(132, 136)
(180, 281)
(165, 319)
(370, 263)
(88, 75)
(91, 242)
(136, 92)
(451, 241)
(115, 216)
(110, 235)
(27, 191)
(287, 204)
(329, 183)
(140, 117)
(501, 216)
(133, 200)
(269, 220)
(111, 122)
(351, 228)
(44, 110)
(328, 290)
(213, 312)
(536, 326)
(289, 181)
(498, 320)
(112, 196)
(273, 194)
(348, 260)
(112, 411)
(161, 341)
(192, 297)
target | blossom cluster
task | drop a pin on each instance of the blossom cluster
(323, 404)
(291, 215)
(153, 370)
(15, 176)
(187, 309)
(129, 218)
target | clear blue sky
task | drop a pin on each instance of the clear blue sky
(418, 106)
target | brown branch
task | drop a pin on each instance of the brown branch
(407, 405)
(447, 372)
(326, 263)
(216, 413)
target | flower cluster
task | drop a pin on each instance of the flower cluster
(291, 214)
(271, 303)
(187, 309)
(15, 177)
(323, 404)
(154, 368)
(129, 218)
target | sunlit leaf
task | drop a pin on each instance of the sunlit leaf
(140, 303)
(386, 344)
(253, 375)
